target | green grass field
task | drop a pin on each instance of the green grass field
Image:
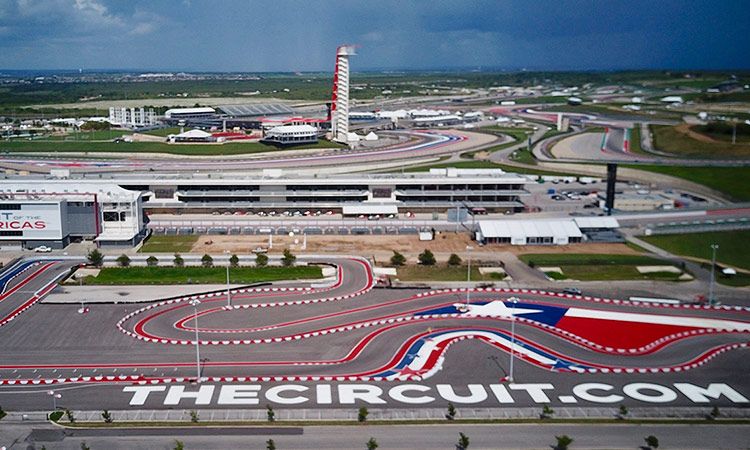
(442, 272)
(233, 148)
(169, 244)
(732, 181)
(163, 132)
(734, 246)
(586, 267)
(668, 139)
(200, 275)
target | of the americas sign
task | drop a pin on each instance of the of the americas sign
(32, 221)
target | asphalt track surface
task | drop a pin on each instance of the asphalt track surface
(418, 144)
(349, 331)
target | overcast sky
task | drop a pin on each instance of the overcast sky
(291, 35)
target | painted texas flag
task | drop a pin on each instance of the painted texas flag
(607, 328)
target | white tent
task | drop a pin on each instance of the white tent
(371, 136)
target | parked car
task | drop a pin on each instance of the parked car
(42, 249)
(572, 291)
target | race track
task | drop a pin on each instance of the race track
(352, 331)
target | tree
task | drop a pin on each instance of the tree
(426, 258)
(362, 414)
(70, 416)
(261, 260)
(152, 261)
(2, 413)
(123, 260)
(451, 412)
(178, 445)
(622, 412)
(563, 442)
(397, 259)
(107, 416)
(234, 261)
(194, 416)
(714, 412)
(270, 414)
(95, 258)
(84, 446)
(454, 260)
(652, 441)
(288, 259)
(547, 412)
(463, 441)
(372, 444)
(270, 445)
(178, 261)
(207, 261)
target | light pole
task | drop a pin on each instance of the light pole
(55, 396)
(229, 295)
(513, 300)
(711, 299)
(195, 304)
(469, 248)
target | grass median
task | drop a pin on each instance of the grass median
(169, 244)
(232, 148)
(200, 275)
(444, 273)
(587, 267)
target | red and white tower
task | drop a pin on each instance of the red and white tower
(340, 97)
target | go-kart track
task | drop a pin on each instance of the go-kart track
(348, 342)
(418, 144)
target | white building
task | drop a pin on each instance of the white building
(189, 113)
(57, 212)
(132, 117)
(292, 135)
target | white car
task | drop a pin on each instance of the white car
(42, 249)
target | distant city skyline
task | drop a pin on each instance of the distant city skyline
(295, 35)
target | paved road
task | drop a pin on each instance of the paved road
(444, 436)
(415, 144)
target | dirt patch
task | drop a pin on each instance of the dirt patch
(382, 246)
(686, 130)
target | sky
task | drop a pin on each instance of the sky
(299, 35)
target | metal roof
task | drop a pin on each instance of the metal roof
(370, 209)
(522, 229)
(596, 222)
(256, 109)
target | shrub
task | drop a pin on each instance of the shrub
(70, 416)
(123, 261)
(178, 445)
(84, 446)
(152, 261)
(56, 415)
(426, 258)
(454, 260)
(362, 414)
(547, 412)
(451, 412)
(207, 261)
(178, 261)
(652, 441)
(234, 261)
(95, 258)
(372, 444)
(270, 445)
(194, 416)
(261, 260)
(270, 414)
(288, 259)
(463, 441)
(2, 413)
(107, 416)
(563, 442)
(397, 259)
